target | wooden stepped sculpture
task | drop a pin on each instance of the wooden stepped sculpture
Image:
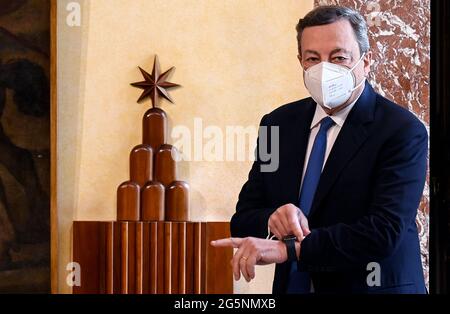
(152, 247)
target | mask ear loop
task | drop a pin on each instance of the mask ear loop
(351, 70)
(362, 57)
(270, 236)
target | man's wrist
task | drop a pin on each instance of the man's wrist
(298, 247)
(284, 250)
(291, 250)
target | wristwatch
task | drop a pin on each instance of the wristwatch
(290, 247)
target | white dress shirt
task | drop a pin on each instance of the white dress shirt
(332, 134)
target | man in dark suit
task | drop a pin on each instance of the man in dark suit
(352, 165)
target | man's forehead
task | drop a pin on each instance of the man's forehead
(329, 37)
(337, 27)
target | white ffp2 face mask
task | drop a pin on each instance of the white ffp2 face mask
(331, 85)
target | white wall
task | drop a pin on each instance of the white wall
(236, 60)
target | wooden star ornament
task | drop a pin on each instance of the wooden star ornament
(155, 85)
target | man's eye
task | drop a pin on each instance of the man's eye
(340, 59)
(312, 59)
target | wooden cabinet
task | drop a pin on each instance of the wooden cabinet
(152, 257)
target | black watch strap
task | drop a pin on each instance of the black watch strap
(290, 247)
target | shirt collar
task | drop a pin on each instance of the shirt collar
(338, 118)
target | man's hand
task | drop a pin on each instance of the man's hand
(251, 252)
(289, 220)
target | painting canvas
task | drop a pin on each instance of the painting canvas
(24, 146)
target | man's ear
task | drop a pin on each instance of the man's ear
(367, 62)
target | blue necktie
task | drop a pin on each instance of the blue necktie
(300, 282)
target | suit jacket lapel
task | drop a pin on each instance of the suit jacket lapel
(291, 164)
(350, 138)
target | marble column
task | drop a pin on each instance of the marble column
(399, 34)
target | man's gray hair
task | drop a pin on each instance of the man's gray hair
(328, 14)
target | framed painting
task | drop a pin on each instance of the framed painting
(27, 145)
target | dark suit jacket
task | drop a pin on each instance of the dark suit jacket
(366, 203)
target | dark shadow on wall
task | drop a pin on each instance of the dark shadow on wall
(24, 146)
(440, 148)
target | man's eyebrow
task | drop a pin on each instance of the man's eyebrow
(336, 50)
(312, 52)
